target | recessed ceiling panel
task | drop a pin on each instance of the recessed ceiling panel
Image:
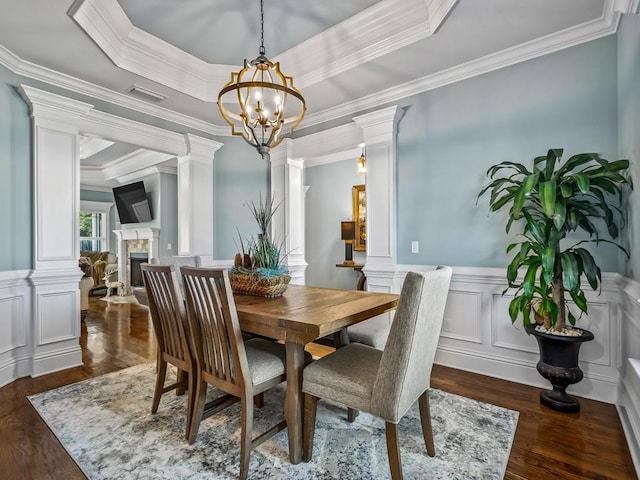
(228, 31)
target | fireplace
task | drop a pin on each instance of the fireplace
(135, 259)
(140, 244)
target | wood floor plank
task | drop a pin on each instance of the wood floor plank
(547, 445)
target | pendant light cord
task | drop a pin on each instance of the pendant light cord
(262, 50)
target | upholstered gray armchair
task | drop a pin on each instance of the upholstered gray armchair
(386, 383)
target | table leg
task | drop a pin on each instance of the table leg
(293, 402)
(361, 280)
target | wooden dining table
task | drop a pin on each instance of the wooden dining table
(300, 316)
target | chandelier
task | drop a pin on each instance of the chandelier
(260, 102)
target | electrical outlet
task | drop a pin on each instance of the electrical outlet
(169, 246)
(415, 247)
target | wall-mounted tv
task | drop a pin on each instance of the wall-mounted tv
(132, 203)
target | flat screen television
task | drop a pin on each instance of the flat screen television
(132, 203)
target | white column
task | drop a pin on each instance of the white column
(56, 235)
(195, 197)
(287, 186)
(380, 130)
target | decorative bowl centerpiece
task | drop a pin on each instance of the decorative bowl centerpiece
(259, 268)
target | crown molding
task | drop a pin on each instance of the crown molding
(132, 163)
(351, 154)
(376, 31)
(146, 172)
(121, 129)
(606, 25)
(89, 146)
(438, 11)
(328, 141)
(95, 188)
(139, 52)
(36, 72)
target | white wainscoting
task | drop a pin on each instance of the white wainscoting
(15, 320)
(629, 390)
(477, 334)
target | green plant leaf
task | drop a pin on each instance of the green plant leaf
(570, 271)
(548, 261)
(572, 319)
(525, 191)
(579, 299)
(574, 162)
(566, 189)
(583, 182)
(512, 269)
(552, 156)
(535, 229)
(529, 280)
(514, 308)
(589, 267)
(560, 213)
(548, 197)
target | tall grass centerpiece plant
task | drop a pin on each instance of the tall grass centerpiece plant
(259, 267)
(555, 198)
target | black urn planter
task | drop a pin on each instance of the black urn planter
(559, 364)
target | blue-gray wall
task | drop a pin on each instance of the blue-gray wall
(15, 178)
(239, 178)
(450, 136)
(98, 196)
(629, 127)
(328, 202)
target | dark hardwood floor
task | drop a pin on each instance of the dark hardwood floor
(547, 445)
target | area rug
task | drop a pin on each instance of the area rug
(119, 299)
(106, 426)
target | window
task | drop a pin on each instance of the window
(94, 226)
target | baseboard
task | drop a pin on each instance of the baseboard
(13, 369)
(516, 370)
(57, 360)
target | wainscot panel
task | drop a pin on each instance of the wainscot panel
(15, 316)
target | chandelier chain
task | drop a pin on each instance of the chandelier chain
(262, 50)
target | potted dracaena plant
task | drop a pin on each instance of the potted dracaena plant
(550, 201)
(259, 267)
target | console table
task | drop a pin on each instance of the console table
(358, 268)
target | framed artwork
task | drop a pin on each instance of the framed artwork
(360, 217)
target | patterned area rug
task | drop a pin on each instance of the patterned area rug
(106, 426)
(119, 299)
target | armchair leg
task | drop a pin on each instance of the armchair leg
(309, 427)
(425, 419)
(393, 450)
(352, 413)
(258, 400)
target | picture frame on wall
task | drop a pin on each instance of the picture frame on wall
(360, 217)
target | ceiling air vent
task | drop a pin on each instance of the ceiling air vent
(145, 93)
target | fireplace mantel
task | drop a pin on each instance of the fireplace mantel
(150, 234)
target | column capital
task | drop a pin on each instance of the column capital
(47, 106)
(379, 126)
(200, 148)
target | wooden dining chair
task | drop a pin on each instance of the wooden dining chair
(386, 383)
(240, 369)
(169, 317)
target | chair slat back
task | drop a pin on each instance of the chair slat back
(214, 324)
(167, 310)
(407, 360)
